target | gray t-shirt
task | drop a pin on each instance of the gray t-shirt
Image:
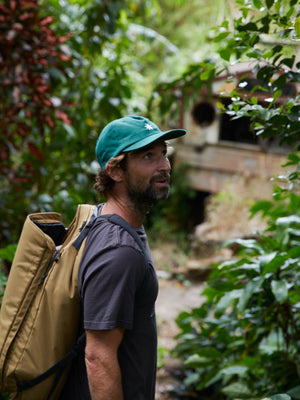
(115, 292)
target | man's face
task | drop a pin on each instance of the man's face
(148, 174)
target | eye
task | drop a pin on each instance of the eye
(148, 155)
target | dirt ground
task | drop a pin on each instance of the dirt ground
(173, 298)
(181, 282)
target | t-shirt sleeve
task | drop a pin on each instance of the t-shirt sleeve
(109, 288)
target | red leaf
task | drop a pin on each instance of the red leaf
(49, 121)
(28, 113)
(63, 39)
(63, 116)
(20, 180)
(21, 132)
(26, 15)
(4, 9)
(42, 88)
(64, 57)
(28, 4)
(4, 154)
(13, 4)
(44, 62)
(47, 102)
(35, 151)
(41, 52)
(46, 21)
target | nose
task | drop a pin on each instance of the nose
(164, 164)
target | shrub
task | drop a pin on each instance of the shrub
(243, 341)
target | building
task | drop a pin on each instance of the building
(219, 149)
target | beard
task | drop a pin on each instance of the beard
(144, 195)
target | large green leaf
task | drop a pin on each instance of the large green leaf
(274, 262)
(281, 396)
(295, 392)
(288, 220)
(196, 360)
(234, 370)
(238, 390)
(226, 301)
(272, 343)
(297, 26)
(246, 294)
(280, 290)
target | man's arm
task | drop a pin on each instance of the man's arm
(102, 364)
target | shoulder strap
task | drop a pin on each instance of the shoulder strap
(85, 228)
(117, 220)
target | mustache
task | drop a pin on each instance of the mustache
(162, 176)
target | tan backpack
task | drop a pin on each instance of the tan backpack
(39, 317)
(40, 313)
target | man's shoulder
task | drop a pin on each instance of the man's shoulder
(108, 248)
(109, 234)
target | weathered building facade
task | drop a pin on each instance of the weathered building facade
(218, 148)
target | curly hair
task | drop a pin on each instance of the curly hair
(104, 183)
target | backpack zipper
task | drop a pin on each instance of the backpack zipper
(55, 258)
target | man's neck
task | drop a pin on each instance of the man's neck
(127, 211)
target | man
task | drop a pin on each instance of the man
(118, 301)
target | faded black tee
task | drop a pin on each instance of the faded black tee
(115, 293)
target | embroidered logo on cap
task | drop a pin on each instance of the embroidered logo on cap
(148, 127)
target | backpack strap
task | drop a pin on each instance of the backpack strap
(57, 368)
(117, 220)
(85, 230)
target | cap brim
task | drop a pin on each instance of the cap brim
(172, 134)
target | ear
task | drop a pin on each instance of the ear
(114, 172)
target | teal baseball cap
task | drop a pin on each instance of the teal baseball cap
(128, 134)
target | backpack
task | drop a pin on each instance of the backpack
(40, 313)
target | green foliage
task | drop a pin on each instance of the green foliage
(243, 341)
(3, 281)
(161, 354)
(8, 252)
(88, 62)
(265, 36)
(6, 255)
